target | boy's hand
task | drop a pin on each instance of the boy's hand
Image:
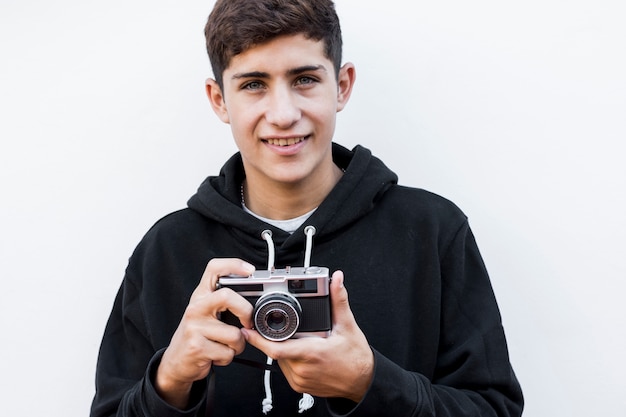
(340, 365)
(201, 339)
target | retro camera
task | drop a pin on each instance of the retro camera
(290, 302)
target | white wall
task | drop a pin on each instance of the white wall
(514, 110)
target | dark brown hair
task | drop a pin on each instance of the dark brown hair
(234, 26)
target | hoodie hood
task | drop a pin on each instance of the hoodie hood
(365, 180)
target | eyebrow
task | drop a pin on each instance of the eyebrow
(306, 68)
(291, 72)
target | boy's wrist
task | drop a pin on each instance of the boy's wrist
(174, 392)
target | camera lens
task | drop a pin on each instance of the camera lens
(276, 320)
(277, 316)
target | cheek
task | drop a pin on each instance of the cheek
(240, 136)
(325, 117)
(242, 121)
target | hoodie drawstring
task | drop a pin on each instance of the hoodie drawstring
(307, 401)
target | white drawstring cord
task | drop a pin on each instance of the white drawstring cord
(309, 231)
(267, 235)
(307, 401)
(267, 401)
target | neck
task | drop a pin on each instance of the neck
(284, 201)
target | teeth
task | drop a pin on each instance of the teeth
(284, 142)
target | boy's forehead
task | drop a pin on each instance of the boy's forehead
(280, 54)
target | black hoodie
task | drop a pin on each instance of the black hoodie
(418, 289)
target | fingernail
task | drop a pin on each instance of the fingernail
(245, 333)
(248, 267)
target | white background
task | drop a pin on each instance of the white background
(513, 110)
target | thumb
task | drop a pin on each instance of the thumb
(341, 313)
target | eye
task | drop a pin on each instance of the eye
(253, 85)
(306, 80)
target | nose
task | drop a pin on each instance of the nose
(283, 110)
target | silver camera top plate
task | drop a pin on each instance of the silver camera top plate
(305, 282)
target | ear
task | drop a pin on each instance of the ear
(216, 98)
(345, 82)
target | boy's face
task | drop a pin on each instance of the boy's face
(281, 99)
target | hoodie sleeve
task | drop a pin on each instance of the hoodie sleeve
(473, 376)
(127, 364)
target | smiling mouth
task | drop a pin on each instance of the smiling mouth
(285, 142)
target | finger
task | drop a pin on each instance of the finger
(221, 354)
(236, 304)
(224, 334)
(341, 313)
(272, 349)
(213, 303)
(255, 339)
(287, 349)
(219, 267)
(214, 352)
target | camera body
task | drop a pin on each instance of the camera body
(291, 302)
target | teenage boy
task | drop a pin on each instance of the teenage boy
(421, 334)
